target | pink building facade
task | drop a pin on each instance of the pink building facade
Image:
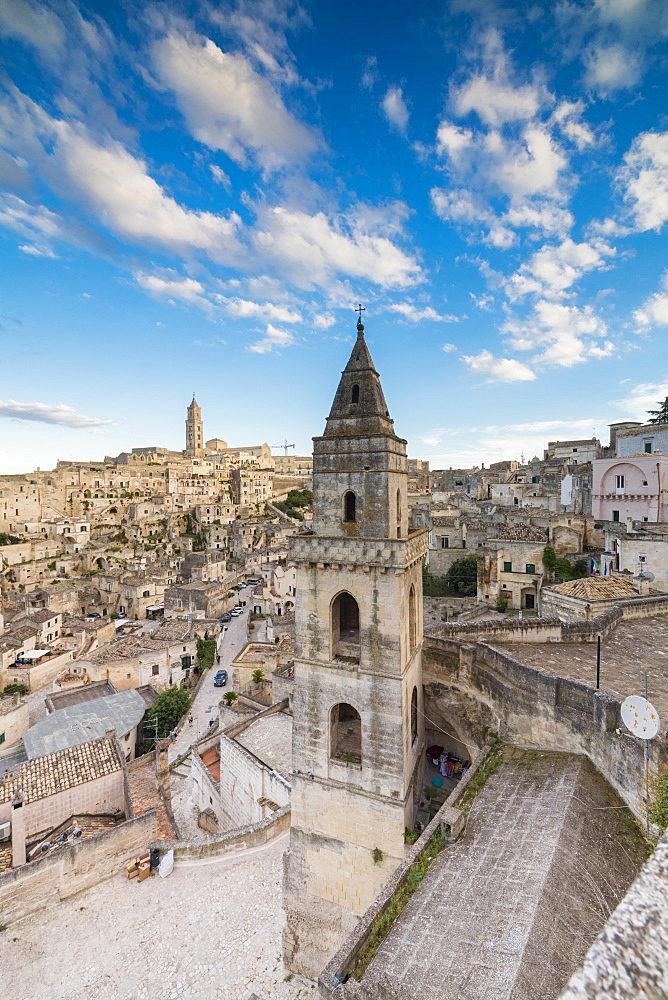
(634, 486)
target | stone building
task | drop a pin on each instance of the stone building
(633, 486)
(194, 432)
(510, 568)
(357, 706)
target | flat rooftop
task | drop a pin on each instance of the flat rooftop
(632, 648)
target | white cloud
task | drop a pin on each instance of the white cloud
(370, 74)
(452, 140)
(611, 68)
(245, 309)
(322, 321)
(34, 251)
(417, 314)
(449, 348)
(46, 413)
(185, 289)
(499, 369)
(492, 94)
(313, 250)
(36, 223)
(228, 105)
(641, 399)
(531, 166)
(35, 25)
(274, 340)
(460, 205)
(553, 270)
(654, 310)
(119, 189)
(567, 116)
(395, 110)
(220, 177)
(644, 180)
(568, 335)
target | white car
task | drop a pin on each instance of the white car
(236, 612)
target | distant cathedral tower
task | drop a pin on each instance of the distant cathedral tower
(194, 431)
(358, 743)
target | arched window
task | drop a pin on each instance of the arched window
(412, 620)
(355, 396)
(414, 715)
(345, 628)
(345, 734)
(349, 505)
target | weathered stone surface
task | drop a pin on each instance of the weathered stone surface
(507, 912)
(629, 961)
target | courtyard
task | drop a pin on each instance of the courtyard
(210, 931)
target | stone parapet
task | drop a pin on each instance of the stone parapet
(390, 553)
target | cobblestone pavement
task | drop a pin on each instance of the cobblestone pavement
(210, 931)
(509, 911)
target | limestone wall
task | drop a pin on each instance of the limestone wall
(629, 959)
(13, 721)
(247, 787)
(74, 867)
(537, 709)
(243, 839)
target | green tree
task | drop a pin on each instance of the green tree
(433, 586)
(230, 697)
(258, 676)
(549, 561)
(168, 709)
(206, 652)
(462, 577)
(659, 416)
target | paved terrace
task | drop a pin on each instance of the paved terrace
(631, 648)
(210, 931)
(509, 911)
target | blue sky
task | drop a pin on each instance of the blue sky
(194, 197)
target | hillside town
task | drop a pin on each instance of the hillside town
(177, 625)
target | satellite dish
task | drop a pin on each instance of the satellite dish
(640, 717)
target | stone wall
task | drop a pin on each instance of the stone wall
(43, 673)
(73, 867)
(247, 786)
(537, 709)
(629, 959)
(13, 721)
(206, 791)
(331, 980)
(243, 839)
(551, 629)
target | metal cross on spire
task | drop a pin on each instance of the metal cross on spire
(360, 309)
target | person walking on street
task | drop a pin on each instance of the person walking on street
(190, 719)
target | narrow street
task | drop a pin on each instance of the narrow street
(205, 706)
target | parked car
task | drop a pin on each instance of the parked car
(93, 615)
(236, 612)
(227, 617)
(220, 680)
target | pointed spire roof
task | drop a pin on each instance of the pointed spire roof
(359, 405)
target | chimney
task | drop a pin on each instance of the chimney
(18, 832)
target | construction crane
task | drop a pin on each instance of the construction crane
(284, 445)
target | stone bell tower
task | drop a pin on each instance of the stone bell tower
(194, 431)
(357, 705)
